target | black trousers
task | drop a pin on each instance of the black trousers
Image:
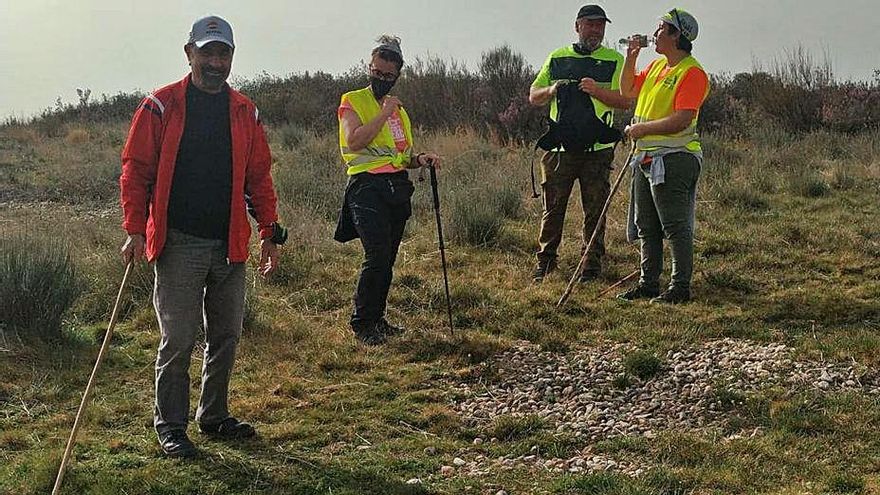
(379, 205)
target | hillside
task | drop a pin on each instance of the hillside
(769, 382)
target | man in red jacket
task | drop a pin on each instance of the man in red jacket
(196, 152)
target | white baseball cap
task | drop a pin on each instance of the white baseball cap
(683, 21)
(211, 28)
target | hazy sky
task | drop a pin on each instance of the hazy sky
(48, 48)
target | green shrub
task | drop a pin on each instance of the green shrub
(642, 364)
(474, 223)
(808, 185)
(621, 382)
(38, 284)
(477, 216)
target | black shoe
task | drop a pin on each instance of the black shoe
(673, 296)
(543, 269)
(228, 429)
(175, 443)
(387, 329)
(370, 334)
(638, 292)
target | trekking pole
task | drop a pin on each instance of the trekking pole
(436, 194)
(85, 398)
(599, 223)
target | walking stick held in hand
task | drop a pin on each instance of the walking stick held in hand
(436, 194)
(582, 263)
(85, 398)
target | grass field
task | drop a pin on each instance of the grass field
(787, 251)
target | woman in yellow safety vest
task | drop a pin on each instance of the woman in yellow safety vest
(375, 139)
(667, 158)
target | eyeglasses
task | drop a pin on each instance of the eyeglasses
(385, 76)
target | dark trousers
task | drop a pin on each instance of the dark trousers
(380, 206)
(667, 211)
(560, 171)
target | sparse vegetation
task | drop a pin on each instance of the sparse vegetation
(38, 285)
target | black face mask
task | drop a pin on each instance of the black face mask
(381, 87)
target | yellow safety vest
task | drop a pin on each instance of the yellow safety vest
(657, 100)
(382, 150)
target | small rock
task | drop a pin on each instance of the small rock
(478, 441)
(458, 461)
(430, 451)
(447, 470)
(414, 481)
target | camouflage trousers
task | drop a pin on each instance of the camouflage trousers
(560, 170)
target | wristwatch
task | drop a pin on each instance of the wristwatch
(279, 234)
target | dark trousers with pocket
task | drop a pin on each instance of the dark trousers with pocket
(666, 211)
(559, 173)
(380, 206)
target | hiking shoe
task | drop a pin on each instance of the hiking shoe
(543, 269)
(175, 443)
(370, 334)
(673, 296)
(387, 329)
(638, 292)
(228, 429)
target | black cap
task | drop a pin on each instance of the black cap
(593, 12)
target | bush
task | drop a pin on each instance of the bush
(642, 364)
(38, 284)
(809, 185)
(474, 223)
(477, 214)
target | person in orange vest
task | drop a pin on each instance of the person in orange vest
(376, 142)
(668, 155)
(196, 159)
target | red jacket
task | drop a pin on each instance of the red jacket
(150, 154)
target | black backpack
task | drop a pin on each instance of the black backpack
(577, 127)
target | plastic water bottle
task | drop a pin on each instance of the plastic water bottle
(644, 40)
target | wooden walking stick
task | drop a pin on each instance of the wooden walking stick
(601, 221)
(618, 283)
(85, 398)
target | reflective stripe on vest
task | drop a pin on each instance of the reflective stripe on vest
(382, 150)
(657, 100)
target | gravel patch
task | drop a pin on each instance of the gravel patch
(583, 393)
